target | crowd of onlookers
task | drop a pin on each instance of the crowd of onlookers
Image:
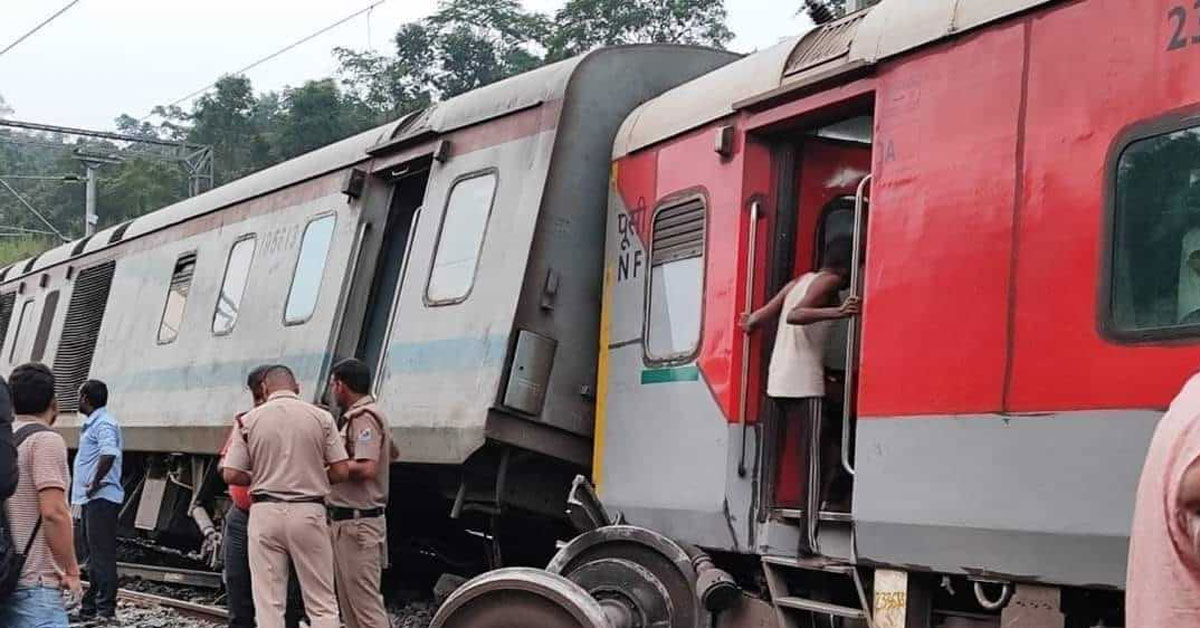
(305, 535)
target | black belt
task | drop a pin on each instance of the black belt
(268, 499)
(337, 513)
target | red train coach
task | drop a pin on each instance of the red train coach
(1022, 175)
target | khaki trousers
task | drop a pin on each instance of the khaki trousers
(277, 532)
(358, 553)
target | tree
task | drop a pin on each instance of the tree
(5, 110)
(314, 115)
(385, 87)
(581, 25)
(225, 119)
(823, 11)
(470, 43)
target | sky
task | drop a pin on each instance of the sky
(103, 58)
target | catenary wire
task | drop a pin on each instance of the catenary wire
(39, 27)
(271, 56)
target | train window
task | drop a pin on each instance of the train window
(675, 302)
(7, 302)
(177, 294)
(22, 324)
(237, 271)
(1155, 263)
(460, 240)
(310, 268)
(43, 331)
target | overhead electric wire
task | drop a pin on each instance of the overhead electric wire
(267, 58)
(39, 27)
(34, 211)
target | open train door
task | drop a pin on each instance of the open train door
(387, 263)
(822, 202)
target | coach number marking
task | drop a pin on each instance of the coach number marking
(1178, 18)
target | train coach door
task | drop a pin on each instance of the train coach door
(404, 213)
(822, 214)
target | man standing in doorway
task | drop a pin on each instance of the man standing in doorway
(289, 454)
(357, 506)
(38, 514)
(97, 489)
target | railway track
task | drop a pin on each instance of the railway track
(171, 575)
(208, 614)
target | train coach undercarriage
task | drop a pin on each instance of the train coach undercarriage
(494, 516)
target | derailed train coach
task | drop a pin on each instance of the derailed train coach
(1027, 237)
(457, 250)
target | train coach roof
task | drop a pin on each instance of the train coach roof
(861, 39)
(513, 94)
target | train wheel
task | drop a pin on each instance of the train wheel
(519, 596)
(641, 578)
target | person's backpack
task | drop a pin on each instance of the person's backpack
(11, 562)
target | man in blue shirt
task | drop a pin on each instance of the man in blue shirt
(96, 487)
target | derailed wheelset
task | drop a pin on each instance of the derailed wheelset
(616, 576)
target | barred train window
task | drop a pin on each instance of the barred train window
(676, 281)
(23, 322)
(461, 239)
(177, 294)
(1156, 236)
(310, 268)
(237, 271)
(49, 307)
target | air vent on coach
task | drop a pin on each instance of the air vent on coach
(119, 233)
(78, 248)
(678, 232)
(73, 359)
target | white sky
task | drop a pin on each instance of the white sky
(103, 58)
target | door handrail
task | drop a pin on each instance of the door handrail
(854, 327)
(744, 401)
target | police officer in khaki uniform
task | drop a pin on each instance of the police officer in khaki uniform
(288, 452)
(357, 506)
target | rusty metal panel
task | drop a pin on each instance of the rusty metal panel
(1033, 607)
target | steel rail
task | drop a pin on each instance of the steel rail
(171, 575)
(213, 614)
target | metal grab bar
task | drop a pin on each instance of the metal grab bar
(744, 402)
(854, 326)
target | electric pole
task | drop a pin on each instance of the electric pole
(196, 160)
(92, 162)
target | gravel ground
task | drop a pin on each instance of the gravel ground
(415, 614)
(412, 615)
(136, 616)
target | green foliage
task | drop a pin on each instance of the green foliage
(17, 249)
(822, 11)
(581, 25)
(470, 43)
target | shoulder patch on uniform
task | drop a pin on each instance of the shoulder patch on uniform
(364, 435)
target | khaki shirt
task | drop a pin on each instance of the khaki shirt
(285, 445)
(366, 436)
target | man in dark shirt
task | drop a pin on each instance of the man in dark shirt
(8, 453)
